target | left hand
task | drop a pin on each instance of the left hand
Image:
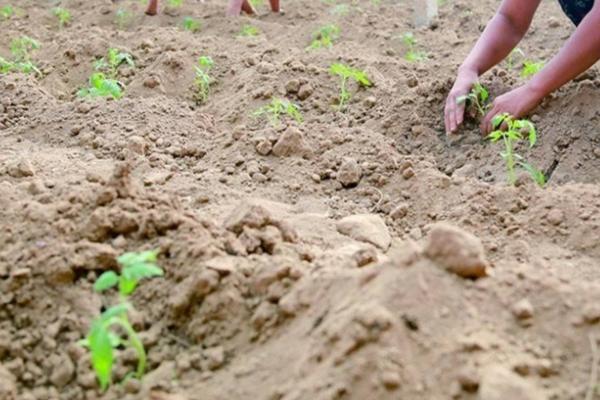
(518, 103)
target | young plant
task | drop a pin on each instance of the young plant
(278, 108)
(249, 30)
(203, 79)
(107, 331)
(63, 15)
(514, 132)
(113, 60)
(122, 18)
(478, 97)
(346, 73)
(6, 12)
(531, 68)
(175, 3)
(21, 59)
(511, 57)
(412, 54)
(191, 24)
(100, 86)
(324, 37)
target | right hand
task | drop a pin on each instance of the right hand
(454, 113)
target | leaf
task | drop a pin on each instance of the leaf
(129, 258)
(495, 136)
(115, 311)
(537, 175)
(102, 353)
(106, 281)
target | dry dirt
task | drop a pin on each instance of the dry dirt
(333, 259)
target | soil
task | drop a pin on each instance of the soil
(357, 255)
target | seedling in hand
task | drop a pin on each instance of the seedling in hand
(21, 59)
(63, 15)
(249, 30)
(346, 73)
(278, 108)
(531, 68)
(478, 97)
(411, 43)
(515, 129)
(103, 338)
(191, 24)
(203, 79)
(113, 60)
(324, 37)
(100, 86)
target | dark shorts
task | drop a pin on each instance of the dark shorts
(576, 9)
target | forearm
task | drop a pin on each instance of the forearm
(578, 54)
(497, 41)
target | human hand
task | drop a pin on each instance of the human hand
(454, 113)
(518, 103)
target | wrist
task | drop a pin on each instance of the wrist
(467, 69)
(537, 89)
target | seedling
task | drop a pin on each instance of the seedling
(515, 129)
(278, 108)
(203, 79)
(478, 97)
(411, 53)
(191, 24)
(6, 12)
(113, 60)
(249, 30)
(175, 3)
(531, 68)
(20, 49)
(513, 54)
(122, 18)
(107, 331)
(346, 73)
(63, 15)
(100, 86)
(324, 37)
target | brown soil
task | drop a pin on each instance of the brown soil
(271, 291)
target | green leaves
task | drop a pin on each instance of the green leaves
(410, 42)
(63, 15)
(277, 108)
(203, 79)
(113, 60)
(20, 49)
(324, 37)
(478, 97)
(531, 68)
(191, 24)
(348, 73)
(106, 281)
(102, 353)
(249, 30)
(7, 11)
(100, 86)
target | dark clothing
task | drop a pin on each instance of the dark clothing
(576, 9)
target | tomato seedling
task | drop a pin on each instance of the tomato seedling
(478, 97)
(203, 79)
(6, 12)
(411, 43)
(175, 3)
(103, 338)
(515, 129)
(278, 108)
(63, 15)
(191, 24)
(346, 73)
(531, 68)
(20, 50)
(122, 18)
(324, 37)
(249, 30)
(101, 86)
(113, 60)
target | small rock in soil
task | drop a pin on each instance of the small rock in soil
(555, 216)
(291, 143)
(499, 383)
(368, 228)
(456, 250)
(20, 169)
(522, 309)
(350, 173)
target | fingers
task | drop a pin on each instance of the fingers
(486, 125)
(453, 115)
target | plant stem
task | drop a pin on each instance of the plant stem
(510, 161)
(343, 94)
(136, 343)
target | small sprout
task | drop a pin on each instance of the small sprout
(103, 338)
(100, 86)
(515, 129)
(511, 57)
(278, 108)
(324, 37)
(175, 3)
(6, 12)
(21, 60)
(411, 54)
(113, 60)
(122, 18)
(478, 97)
(191, 24)
(531, 68)
(203, 79)
(249, 30)
(63, 15)
(345, 73)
